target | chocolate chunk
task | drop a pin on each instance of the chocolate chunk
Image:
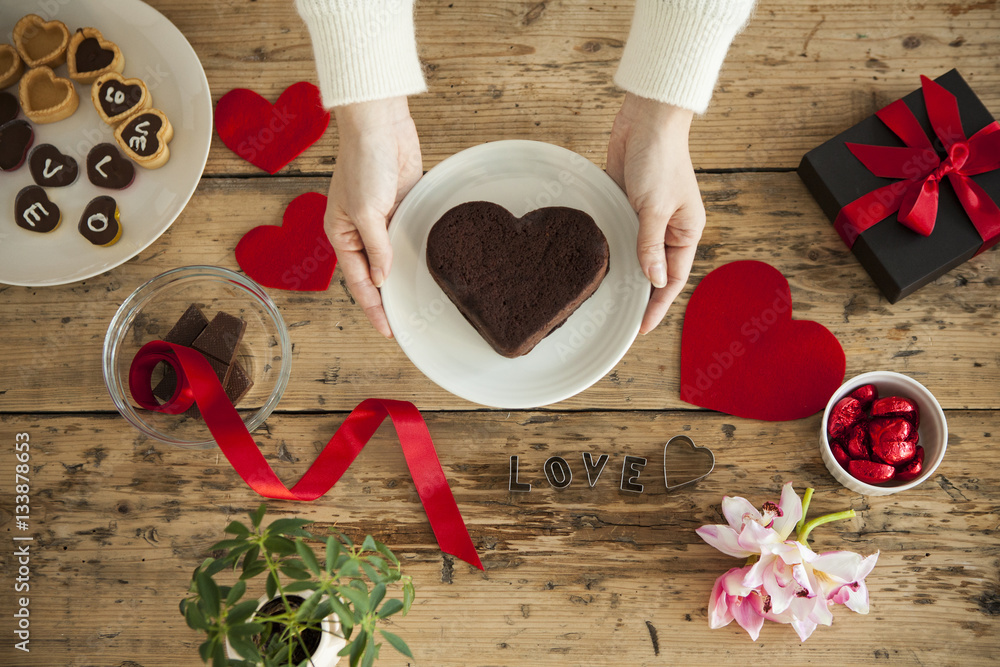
(116, 98)
(16, 137)
(188, 327)
(238, 383)
(90, 56)
(108, 168)
(34, 211)
(9, 108)
(140, 134)
(50, 168)
(221, 337)
(100, 223)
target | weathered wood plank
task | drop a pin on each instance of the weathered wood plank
(513, 69)
(944, 335)
(120, 522)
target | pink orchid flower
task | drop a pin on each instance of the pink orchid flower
(783, 580)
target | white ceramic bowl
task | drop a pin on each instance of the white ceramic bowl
(933, 429)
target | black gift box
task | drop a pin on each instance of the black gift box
(899, 260)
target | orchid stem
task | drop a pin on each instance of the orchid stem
(803, 531)
(806, 499)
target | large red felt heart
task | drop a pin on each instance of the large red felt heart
(270, 136)
(295, 256)
(742, 354)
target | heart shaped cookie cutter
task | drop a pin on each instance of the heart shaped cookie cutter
(695, 448)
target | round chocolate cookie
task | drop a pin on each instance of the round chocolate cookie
(108, 168)
(50, 168)
(101, 223)
(9, 108)
(15, 140)
(34, 211)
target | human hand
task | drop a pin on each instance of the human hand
(648, 158)
(379, 162)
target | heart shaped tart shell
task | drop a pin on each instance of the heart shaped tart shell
(516, 279)
(11, 66)
(90, 55)
(144, 136)
(45, 97)
(116, 98)
(41, 42)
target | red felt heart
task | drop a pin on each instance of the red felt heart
(742, 354)
(270, 136)
(295, 256)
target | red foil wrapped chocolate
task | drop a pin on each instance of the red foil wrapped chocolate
(871, 472)
(875, 439)
(912, 469)
(896, 406)
(845, 413)
(865, 394)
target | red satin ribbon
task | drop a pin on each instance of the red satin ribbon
(198, 383)
(916, 197)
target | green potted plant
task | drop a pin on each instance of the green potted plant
(312, 612)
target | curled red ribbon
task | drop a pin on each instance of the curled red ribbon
(198, 383)
(915, 198)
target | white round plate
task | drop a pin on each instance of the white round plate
(521, 176)
(156, 52)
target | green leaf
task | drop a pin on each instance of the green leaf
(348, 647)
(344, 614)
(385, 551)
(370, 571)
(208, 591)
(347, 541)
(369, 544)
(308, 556)
(294, 571)
(257, 515)
(205, 650)
(237, 528)
(348, 569)
(306, 609)
(246, 629)
(235, 593)
(195, 619)
(219, 658)
(324, 609)
(332, 551)
(271, 587)
(378, 592)
(397, 643)
(241, 612)
(255, 568)
(379, 563)
(226, 544)
(213, 566)
(251, 556)
(389, 608)
(291, 527)
(245, 648)
(408, 595)
(299, 586)
(358, 647)
(370, 652)
(356, 597)
(279, 545)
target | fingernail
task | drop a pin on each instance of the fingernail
(658, 275)
(377, 277)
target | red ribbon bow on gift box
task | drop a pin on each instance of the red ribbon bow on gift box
(198, 383)
(916, 197)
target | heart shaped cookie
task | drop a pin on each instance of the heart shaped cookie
(144, 136)
(516, 279)
(50, 168)
(295, 256)
(11, 66)
(116, 98)
(15, 140)
(108, 168)
(743, 354)
(90, 55)
(34, 211)
(45, 97)
(41, 42)
(9, 108)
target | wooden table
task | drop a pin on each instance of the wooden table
(582, 576)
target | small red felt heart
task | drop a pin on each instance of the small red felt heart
(295, 256)
(742, 354)
(270, 136)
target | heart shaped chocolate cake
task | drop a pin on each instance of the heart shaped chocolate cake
(516, 279)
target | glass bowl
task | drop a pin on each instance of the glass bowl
(933, 429)
(265, 351)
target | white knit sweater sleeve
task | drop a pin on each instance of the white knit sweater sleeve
(676, 47)
(365, 49)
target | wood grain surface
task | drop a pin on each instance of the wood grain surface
(583, 576)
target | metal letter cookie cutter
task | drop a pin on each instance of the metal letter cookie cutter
(696, 448)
